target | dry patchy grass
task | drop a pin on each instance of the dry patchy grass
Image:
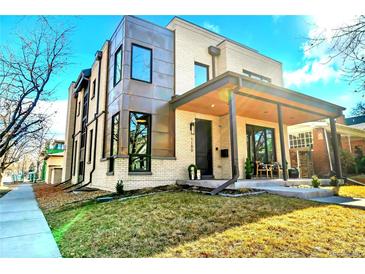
(352, 191)
(183, 224)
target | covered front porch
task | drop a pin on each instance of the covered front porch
(258, 105)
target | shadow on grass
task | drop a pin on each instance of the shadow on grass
(150, 225)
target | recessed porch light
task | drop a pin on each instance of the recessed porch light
(212, 105)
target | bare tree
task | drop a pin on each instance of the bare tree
(346, 45)
(25, 73)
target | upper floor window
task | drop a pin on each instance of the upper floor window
(303, 139)
(78, 106)
(141, 68)
(256, 76)
(139, 142)
(93, 89)
(201, 73)
(118, 65)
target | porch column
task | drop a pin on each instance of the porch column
(233, 134)
(282, 143)
(335, 147)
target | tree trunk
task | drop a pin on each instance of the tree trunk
(1, 178)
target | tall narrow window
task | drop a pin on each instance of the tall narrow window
(90, 145)
(114, 135)
(78, 108)
(141, 64)
(118, 65)
(139, 142)
(93, 89)
(75, 158)
(201, 73)
(114, 140)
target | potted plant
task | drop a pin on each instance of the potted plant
(192, 171)
(315, 181)
(248, 168)
(335, 183)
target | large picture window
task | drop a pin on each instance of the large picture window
(261, 144)
(141, 64)
(118, 65)
(201, 73)
(139, 142)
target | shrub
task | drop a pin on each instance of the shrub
(119, 187)
(333, 181)
(348, 162)
(248, 168)
(315, 181)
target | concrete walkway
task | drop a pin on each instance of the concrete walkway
(344, 201)
(24, 232)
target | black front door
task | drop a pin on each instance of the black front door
(203, 147)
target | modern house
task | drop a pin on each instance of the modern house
(157, 99)
(311, 150)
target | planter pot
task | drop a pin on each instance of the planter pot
(293, 173)
(198, 174)
(192, 174)
(248, 176)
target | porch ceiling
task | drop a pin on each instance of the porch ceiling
(254, 100)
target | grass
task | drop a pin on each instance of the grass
(352, 191)
(185, 224)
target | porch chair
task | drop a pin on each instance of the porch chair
(261, 168)
(277, 169)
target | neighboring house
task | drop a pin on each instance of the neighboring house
(158, 99)
(311, 150)
(357, 121)
(53, 162)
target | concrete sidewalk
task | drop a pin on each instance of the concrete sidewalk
(24, 232)
(344, 201)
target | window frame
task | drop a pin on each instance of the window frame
(119, 49)
(115, 153)
(91, 134)
(75, 158)
(149, 143)
(254, 129)
(151, 63)
(256, 76)
(93, 90)
(201, 65)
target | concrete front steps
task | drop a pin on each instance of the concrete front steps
(273, 186)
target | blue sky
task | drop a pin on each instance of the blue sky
(280, 37)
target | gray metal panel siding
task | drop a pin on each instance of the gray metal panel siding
(153, 98)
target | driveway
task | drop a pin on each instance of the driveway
(24, 232)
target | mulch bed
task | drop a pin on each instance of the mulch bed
(55, 198)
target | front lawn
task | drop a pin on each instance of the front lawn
(185, 224)
(352, 191)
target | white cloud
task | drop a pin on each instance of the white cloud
(317, 64)
(212, 27)
(58, 111)
(313, 71)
